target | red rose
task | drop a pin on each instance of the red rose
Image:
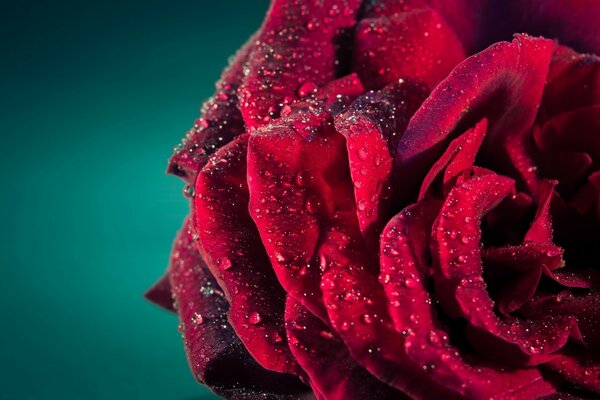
(390, 201)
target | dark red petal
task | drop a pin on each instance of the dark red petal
(480, 23)
(372, 126)
(324, 357)
(503, 83)
(573, 131)
(296, 50)
(232, 249)
(540, 230)
(160, 294)
(404, 270)
(417, 46)
(573, 82)
(514, 272)
(458, 275)
(579, 369)
(298, 177)
(221, 121)
(585, 307)
(215, 354)
(457, 159)
(574, 23)
(357, 309)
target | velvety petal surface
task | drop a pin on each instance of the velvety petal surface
(324, 357)
(415, 45)
(232, 249)
(215, 354)
(404, 274)
(293, 33)
(503, 83)
(458, 275)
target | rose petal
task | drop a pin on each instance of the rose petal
(357, 309)
(417, 46)
(540, 230)
(298, 177)
(578, 368)
(574, 23)
(160, 294)
(297, 48)
(480, 23)
(215, 354)
(404, 270)
(503, 83)
(462, 290)
(221, 122)
(232, 249)
(457, 159)
(585, 307)
(514, 272)
(372, 126)
(573, 82)
(324, 357)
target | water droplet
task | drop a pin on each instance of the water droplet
(188, 191)
(224, 263)
(255, 318)
(326, 335)
(366, 318)
(197, 319)
(362, 154)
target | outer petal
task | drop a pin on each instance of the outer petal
(417, 46)
(298, 178)
(233, 251)
(324, 357)
(503, 83)
(221, 121)
(404, 271)
(459, 279)
(573, 82)
(293, 33)
(216, 355)
(372, 126)
(160, 294)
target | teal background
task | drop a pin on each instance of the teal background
(93, 97)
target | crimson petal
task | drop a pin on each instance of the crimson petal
(514, 272)
(221, 122)
(503, 83)
(372, 126)
(579, 369)
(404, 270)
(324, 357)
(584, 307)
(232, 249)
(298, 177)
(457, 159)
(458, 277)
(416, 45)
(357, 309)
(573, 82)
(160, 294)
(293, 32)
(215, 354)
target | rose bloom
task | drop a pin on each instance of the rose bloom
(397, 199)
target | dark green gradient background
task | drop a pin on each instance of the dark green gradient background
(93, 96)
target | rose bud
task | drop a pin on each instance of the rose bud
(397, 199)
